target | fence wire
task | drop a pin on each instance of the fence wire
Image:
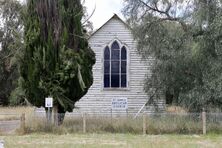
(150, 123)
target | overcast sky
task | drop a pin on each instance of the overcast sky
(104, 10)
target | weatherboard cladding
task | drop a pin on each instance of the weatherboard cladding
(98, 100)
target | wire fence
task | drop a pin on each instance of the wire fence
(9, 122)
(145, 123)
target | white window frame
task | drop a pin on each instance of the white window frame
(127, 67)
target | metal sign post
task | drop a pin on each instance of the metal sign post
(49, 105)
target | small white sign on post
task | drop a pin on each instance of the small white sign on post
(119, 103)
(48, 102)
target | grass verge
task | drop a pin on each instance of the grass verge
(111, 141)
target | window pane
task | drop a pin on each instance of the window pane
(123, 53)
(115, 80)
(115, 67)
(106, 67)
(123, 67)
(115, 54)
(106, 80)
(123, 80)
(107, 53)
(115, 45)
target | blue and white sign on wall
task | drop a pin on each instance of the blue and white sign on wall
(119, 103)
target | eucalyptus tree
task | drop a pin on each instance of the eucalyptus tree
(57, 60)
(11, 29)
(184, 36)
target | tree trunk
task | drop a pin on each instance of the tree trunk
(58, 115)
(175, 97)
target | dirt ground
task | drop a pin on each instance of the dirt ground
(9, 127)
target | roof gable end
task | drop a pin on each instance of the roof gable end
(115, 16)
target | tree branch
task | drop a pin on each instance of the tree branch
(156, 9)
(90, 15)
(166, 13)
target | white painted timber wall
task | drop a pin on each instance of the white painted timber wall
(98, 100)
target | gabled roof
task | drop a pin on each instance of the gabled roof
(115, 16)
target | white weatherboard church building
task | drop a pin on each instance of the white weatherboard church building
(119, 73)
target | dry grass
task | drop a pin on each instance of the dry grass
(94, 124)
(7, 112)
(175, 109)
(174, 125)
(182, 123)
(10, 118)
(155, 125)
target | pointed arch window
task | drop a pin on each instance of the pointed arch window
(115, 66)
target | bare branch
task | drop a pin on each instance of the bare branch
(151, 8)
(166, 13)
(94, 9)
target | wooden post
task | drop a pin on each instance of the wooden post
(127, 115)
(111, 116)
(84, 123)
(55, 115)
(49, 116)
(22, 124)
(204, 121)
(144, 123)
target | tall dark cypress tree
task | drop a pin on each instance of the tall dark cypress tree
(58, 61)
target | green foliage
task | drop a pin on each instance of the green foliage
(10, 46)
(185, 39)
(57, 60)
